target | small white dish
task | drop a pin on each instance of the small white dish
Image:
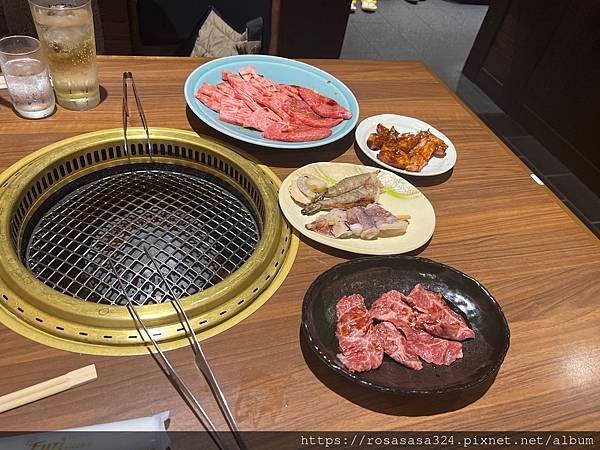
(404, 124)
(398, 197)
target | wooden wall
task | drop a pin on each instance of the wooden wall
(539, 60)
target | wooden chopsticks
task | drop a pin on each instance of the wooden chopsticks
(47, 388)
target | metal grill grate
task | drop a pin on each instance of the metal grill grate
(194, 227)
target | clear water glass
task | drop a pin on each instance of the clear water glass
(26, 74)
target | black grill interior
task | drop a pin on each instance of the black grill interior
(197, 228)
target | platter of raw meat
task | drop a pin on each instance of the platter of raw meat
(357, 209)
(271, 101)
(405, 325)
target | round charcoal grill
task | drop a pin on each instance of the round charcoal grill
(207, 216)
(195, 227)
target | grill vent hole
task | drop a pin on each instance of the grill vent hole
(222, 312)
(203, 322)
(4, 297)
(240, 302)
(82, 333)
(39, 320)
(20, 309)
(60, 328)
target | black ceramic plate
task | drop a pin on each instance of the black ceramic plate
(372, 276)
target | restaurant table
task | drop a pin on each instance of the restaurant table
(493, 222)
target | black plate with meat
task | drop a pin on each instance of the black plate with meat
(373, 276)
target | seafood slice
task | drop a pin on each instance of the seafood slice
(368, 229)
(311, 186)
(331, 224)
(368, 222)
(306, 189)
(361, 196)
(385, 221)
(354, 182)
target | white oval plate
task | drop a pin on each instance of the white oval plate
(403, 124)
(398, 197)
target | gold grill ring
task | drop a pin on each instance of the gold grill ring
(41, 313)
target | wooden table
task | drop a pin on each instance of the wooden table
(494, 222)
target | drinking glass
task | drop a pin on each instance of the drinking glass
(66, 32)
(26, 75)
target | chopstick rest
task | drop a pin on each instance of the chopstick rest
(47, 388)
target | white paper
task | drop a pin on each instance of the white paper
(99, 437)
(153, 423)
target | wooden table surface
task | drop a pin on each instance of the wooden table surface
(493, 222)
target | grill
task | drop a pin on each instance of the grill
(193, 225)
(206, 214)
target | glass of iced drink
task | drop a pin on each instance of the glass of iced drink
(66, 31)
(26, 75)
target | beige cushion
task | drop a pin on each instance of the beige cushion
(216, 38)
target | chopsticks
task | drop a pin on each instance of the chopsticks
(47, 388)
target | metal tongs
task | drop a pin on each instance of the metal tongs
(125, 109)
(200, 359)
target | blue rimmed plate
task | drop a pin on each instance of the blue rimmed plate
(281, 70)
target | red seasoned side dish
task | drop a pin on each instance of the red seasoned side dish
(282, 112)
(408, 328)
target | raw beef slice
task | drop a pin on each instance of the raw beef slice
(210, 96)
(430, 348)
(394, 344)
(261, 119)
(354, 322)
(391, 307)
(243, 90)
(275, 103)
(436, 317)
(282, 131)
(234, 111)
(361, 353)
(323, 106)
(347, 302)
(299, 110)
(360, 348)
